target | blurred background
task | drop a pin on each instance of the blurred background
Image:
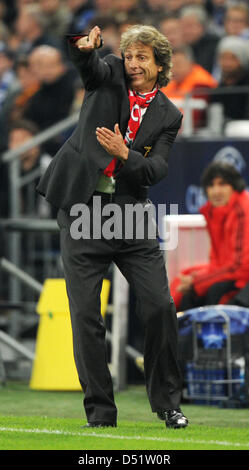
(40, 98)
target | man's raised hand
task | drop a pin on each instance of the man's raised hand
(90, 42)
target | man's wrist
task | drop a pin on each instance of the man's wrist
(83, 40)
(124, 156)
(74, 38)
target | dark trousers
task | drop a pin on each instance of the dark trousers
(212, 297)
(86, 262)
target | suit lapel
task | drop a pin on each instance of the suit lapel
(152, 120)
(125, 113)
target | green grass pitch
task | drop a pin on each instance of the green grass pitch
(38, 420)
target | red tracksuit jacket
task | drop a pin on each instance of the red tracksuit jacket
(228, 228)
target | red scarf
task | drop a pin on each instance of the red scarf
(137, 103)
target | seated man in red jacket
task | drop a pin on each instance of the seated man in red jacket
(227, 217)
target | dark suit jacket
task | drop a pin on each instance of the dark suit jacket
(73, 173)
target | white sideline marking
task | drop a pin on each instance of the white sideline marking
(113, 436)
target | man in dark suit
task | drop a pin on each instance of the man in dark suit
(119, 148)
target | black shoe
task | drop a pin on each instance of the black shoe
(161, 415)
(173, 418)
(100, 425)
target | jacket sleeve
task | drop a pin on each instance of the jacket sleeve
(150, 170)
(92, 69)
(235, 268)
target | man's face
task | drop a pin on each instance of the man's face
(229, 64)
(181, 66)
(171, 28)
(141, 67)
(24, 24)
(235, 22)
(46, 65)
(192, 29)
(17, 138)
(219, 192)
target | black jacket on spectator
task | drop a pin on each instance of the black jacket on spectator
(51, 104)
(204, 50)
(235, 105)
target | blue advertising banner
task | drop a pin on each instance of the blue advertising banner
(187, 162)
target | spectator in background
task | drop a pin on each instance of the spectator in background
(2, 9)
(32, 161)
(53, 101)
(18, 97)
(170, 26)
(22, 3)
(153, 10)
(56, 17)
(29, 31)
(82, 12)
(227, 217)
(103, 7)
(4, 32)
(233, 60)
(174, 6)
(127, 23)
(194, 23)
(217, 10)
(7, 74)
(195, 2)
(122, 10)
(236, 23)
(236, 20)
(28, 86)
(189, 77)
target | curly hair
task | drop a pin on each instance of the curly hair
(150, 36)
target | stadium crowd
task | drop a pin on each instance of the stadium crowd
(210, 40)
(199, 25)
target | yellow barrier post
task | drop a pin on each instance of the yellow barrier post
(54, 367)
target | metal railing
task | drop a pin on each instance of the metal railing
(17, 181)
(42, 137)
